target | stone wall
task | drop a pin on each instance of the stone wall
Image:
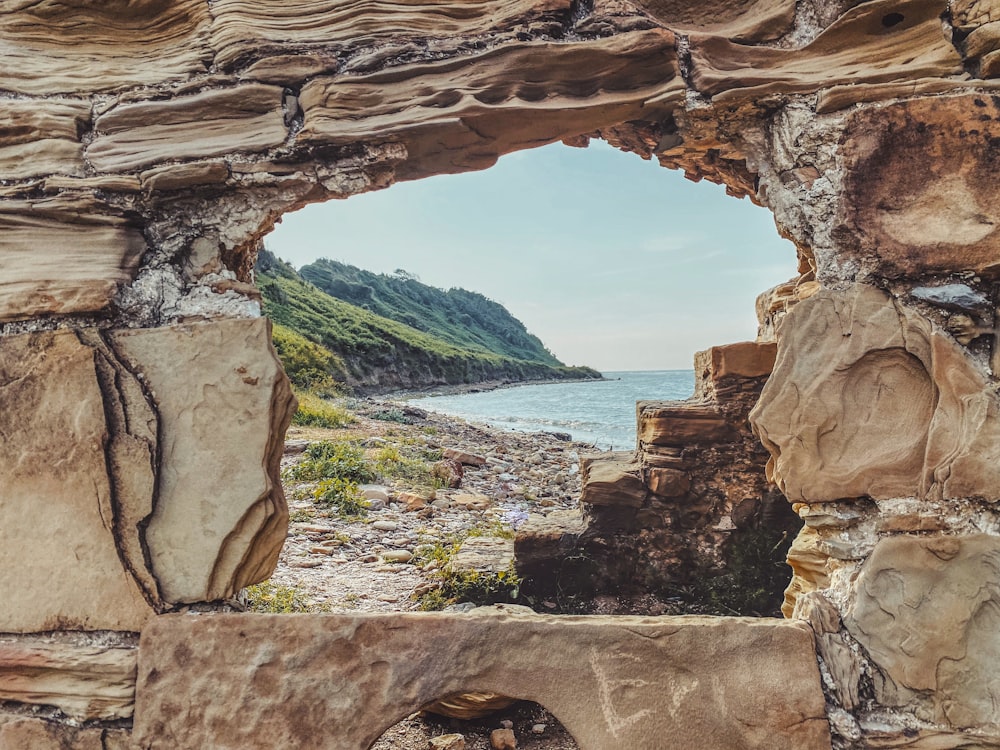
(146, 147)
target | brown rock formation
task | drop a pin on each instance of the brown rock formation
(147, 146)
(118, 447)
(268, 681)
(670, 512)
(83, 681)
(829, 401)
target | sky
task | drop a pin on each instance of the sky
(612, 261)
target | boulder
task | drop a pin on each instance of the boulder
(868, 398)
(612, 479)
(927, 612)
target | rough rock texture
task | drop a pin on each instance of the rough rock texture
(268, 681)
(927, 611)
(147, 146)
(28, 733)
(115, 446)
(829, 399)
(83, 681)
(206, 375)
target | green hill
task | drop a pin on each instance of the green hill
(465, 319)
(321, 338)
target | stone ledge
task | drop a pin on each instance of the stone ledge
(673, 683)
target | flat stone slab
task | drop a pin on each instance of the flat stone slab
(339, 681)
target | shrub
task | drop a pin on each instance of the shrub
(333, 459)
(314, 411)
(342, 495)
(308, 364)
(473, 586)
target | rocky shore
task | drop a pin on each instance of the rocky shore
(395, 554)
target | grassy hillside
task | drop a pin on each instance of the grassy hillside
(459, 317)
(322, 339)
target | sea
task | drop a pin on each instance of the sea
(599, 412)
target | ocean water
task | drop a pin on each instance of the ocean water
(598, 412)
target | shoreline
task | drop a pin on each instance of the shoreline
(459, 389)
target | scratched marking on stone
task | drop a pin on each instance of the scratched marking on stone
(606, 686)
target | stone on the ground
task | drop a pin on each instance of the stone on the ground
(503, 739)
(448, 742)
(464, 457)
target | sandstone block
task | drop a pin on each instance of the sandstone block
(747, 359)
(746, 22)
(671, 683)
(868, 398)
(84, 682)
(668, 482)
(484, 554)
(120, 442)
(54, 49)
(224, 403)
(463, 457)
(41, 138)
(90, 249)
(679, 424)
(926, 611)
(24, 733)
(905, 223)
(447, 123)
(612, 479)
(243, 27)
(216, 122)
(57, 545)
(857, 48)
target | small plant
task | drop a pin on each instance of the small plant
(391, 415)
(271, 598)
(314, 411)
(333, 459)
(342, 495)
(300, 515)
(473, 586)
(495, 527)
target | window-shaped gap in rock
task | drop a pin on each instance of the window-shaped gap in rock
(587, 267)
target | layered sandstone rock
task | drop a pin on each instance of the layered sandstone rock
(670, 511)
(146, 147)
(269, 681)
(84, 681)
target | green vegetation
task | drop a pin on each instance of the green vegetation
(472, 586)
(324, 340)
(462, 318)
(333, 459)
(308, 365)
(755, 578)
(273, 599)
(315, 411)
(343, 496)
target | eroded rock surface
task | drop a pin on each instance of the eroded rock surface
(869, 399)
(268, 681)
(146, 148)
(114, 448)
